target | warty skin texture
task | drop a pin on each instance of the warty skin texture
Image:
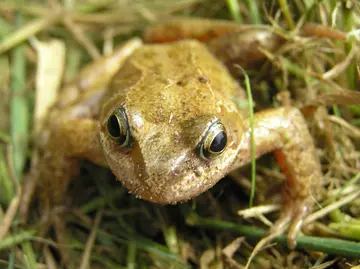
(171, 95)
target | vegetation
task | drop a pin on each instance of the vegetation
(43, 44)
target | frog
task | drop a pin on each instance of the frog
(161, 115)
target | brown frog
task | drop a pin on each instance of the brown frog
(161, 117)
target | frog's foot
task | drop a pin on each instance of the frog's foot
(291, 219)
(54, 218)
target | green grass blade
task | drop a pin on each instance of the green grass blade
(18, 238)
(254, 11)
(7, 190)
(252, 137)
(287, 14)
(19, 108)
(328, 245)
(234, 9)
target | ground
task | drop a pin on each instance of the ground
(316, 70)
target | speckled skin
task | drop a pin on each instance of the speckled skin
(171, 94)
(171, 99)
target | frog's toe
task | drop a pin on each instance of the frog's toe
(292, 217)
(55, 218)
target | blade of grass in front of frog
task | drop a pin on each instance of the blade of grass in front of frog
(350, 182)
(29, 255)
(100, 201)
(254, 11)
(7, 190)
(5, 138)
(30, 29)
(337, 215)
(104, 189)
(19, 120)
(351, 69)
(234, 8)
(337, 247)
(252, 137)
(286, 12)
(300, 73)
(18, 238)
(128, 232)
(347, 230)
(85, 259)
(88, 7)
(5, 28)
(19, 108)
(355, 109)
(169, 231)
(104, 260)
(161, 252)
(11, 260)
(348, 17)
(131, 255)
(107, 240)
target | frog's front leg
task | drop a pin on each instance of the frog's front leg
(284, 131)
(68, 141)
(71, 133)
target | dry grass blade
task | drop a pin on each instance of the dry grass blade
(27, 31)
(339, 68)
(10, 214)
(312, 67)
(326, 210)
(81, 38)
(85, 261)
(353, 131)
(50, 68)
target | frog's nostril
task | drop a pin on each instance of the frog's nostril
(176, 172)
(199, 171)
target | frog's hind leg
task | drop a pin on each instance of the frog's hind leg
(284, 130)
(194, 28)
(230, 42)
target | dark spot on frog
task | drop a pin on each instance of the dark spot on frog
(203, 79)
(176, 172)
(180, 83)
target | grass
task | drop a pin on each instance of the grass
(109, 228)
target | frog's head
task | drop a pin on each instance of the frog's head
(168, 140)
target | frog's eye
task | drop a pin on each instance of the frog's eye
(118, 127)
(214, 141)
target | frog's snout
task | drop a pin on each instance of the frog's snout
(167, 164)
(164, 176)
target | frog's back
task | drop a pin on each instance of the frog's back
(185, 70)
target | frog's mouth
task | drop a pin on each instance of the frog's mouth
(171, 188)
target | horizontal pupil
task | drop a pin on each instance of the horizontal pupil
(219, 142)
